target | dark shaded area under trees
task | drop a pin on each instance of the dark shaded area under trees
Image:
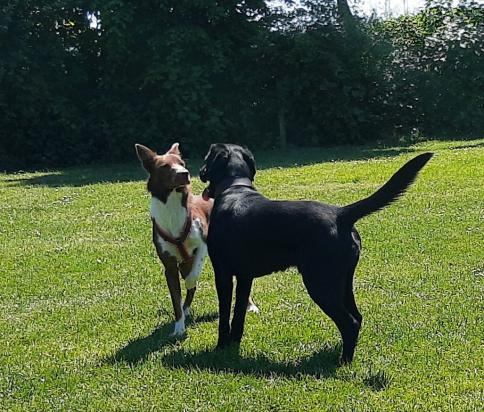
(204, 71)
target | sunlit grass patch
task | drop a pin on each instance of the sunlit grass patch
(85, 313)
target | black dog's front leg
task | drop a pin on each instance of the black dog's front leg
(224, 285)
(242, 293)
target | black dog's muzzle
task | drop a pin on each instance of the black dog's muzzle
(203, 173)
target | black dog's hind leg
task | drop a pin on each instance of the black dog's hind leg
(242, 293)
(348, 326)
(350, 302)
(224, 285)
(350, 297)
(331, 299)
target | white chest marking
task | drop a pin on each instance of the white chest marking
(171, 216)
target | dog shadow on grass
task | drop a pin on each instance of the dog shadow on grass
(321, 364)
(138, 350)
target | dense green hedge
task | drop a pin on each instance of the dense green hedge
(202, 71)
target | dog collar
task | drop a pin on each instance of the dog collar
(231, 182)
(179, 241)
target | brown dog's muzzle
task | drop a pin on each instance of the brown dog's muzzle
(183, 177)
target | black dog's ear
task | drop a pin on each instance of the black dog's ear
(250, 160)
(217, 158)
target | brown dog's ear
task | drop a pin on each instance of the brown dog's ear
(175, 149)
(145, 155)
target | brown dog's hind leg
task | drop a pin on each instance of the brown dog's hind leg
(251, 306)
(188, 301)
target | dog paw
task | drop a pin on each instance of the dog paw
(191, 281)
(187, 312)
(251, 307)
(179, 329)
(235, 339)
(345, 360)
(223, 342)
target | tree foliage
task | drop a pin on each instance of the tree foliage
(156, 71)
(435, 69)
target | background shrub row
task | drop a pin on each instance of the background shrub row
(74, 89)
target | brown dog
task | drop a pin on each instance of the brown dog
(180, 226)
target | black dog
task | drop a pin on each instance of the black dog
(250, 236)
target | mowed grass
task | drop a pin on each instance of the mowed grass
(85, 313)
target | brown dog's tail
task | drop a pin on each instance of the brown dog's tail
(388, 193)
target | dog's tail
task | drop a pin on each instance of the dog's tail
(388, 193)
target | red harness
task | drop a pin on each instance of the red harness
(179, 242)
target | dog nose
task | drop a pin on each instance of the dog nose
(182, 177)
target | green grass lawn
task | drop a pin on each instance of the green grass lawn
(85, 312)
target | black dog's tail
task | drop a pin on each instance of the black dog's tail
(388, 193)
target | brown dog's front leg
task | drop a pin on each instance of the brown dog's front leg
(185, 268)
(173, 280)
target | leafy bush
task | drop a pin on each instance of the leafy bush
(435, 70)
(201, 71)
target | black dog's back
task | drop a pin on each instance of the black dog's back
(259, 236)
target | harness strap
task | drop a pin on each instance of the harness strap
(179, 241)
